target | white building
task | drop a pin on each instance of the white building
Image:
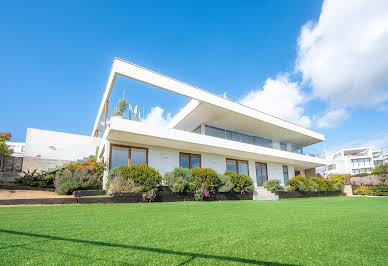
(209, 132)
(355, 161)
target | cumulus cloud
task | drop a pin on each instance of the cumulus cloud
(279, 97)
(156, 117)
(343, 56)
(332, 118)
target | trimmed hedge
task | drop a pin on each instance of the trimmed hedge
(209, 176)
(241, 183)
(298, 183)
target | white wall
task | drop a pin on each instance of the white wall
(165, 160)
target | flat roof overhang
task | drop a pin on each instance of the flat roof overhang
(272, 123)
(197, 112)
(122, 130)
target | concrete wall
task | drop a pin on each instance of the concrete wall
(48, 149)
(165, 160)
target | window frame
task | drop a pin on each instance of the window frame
(266, 173)
(236, 162)
(190, 154)
(129, 153)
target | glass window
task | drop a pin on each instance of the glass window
(263, 142)
(195, 161)
(243, 168)
(184, 160)
(296, 149)
(119, 156)
(231, 165)
(187, 160)
(246, 139)
(285, 174)
(283, 146)
(215, 132)
(138, 156)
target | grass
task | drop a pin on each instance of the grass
(312, 231)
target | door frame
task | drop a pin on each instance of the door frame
(266, 173)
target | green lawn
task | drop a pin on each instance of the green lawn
(323, 231)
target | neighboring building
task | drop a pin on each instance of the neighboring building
(11, 166)
(209, 132)
(355, 161)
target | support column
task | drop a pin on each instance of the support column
(106, 112)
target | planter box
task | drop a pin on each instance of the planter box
(297, 194)
(19, 187)
(83, 193)
(43, 201)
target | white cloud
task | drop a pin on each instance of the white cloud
(344, 55)
(156, 118)
(279, 97)
(332, 118)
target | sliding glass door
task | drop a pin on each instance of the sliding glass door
(261, 174)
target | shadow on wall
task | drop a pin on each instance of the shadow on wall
(192, 256)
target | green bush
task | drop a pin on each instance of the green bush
(337, 178)
(273, 185)
(143, 175)
(314, 186)
(178, 180)
(120, 185)
(322, 185)
(35, 179)
(339, 186)
(146, 177)
(379, 190)
(298, 183)
(68, 181)
(382, 172)
(209, 176)
(329, 184)
(362, 190)
(241, 183)
(361, 175)
(226, 183)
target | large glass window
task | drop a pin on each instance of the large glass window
(188, 160)
(237, 166)
(127, 155)
(119, 156)
(138, 156)
(283, 146)
(263, 142)
(215, 132)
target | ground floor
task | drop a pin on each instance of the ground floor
(166, 159)
(309, 231)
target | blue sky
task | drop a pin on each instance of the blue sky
(56, 57)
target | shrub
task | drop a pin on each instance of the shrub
(226, 183)
(143, 175)
(362, 190)
(329, 184)
(322, 185)
(273, 185)
(117, 172)
(382, 172)
(339, 186)
(81, 179)
(199, 188)
(379, 190)
(314, 186)
(120, 185)
(298, 183)
(35, 179)
(241, 183)
(361, 175)
(337, 178)
(178, 180)
(209, 176)
(3, 182)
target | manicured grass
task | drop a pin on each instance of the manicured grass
(313, 231)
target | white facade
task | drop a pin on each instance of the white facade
(210, 132)
(17, 147)
(355, 161)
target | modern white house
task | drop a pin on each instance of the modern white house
(209, 132)
(355, 161)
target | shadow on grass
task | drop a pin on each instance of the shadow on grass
(156, 250)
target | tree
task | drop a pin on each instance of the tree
(4, 149)
(382, 172)
(123, 106)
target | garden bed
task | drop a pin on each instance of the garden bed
(297, 194)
